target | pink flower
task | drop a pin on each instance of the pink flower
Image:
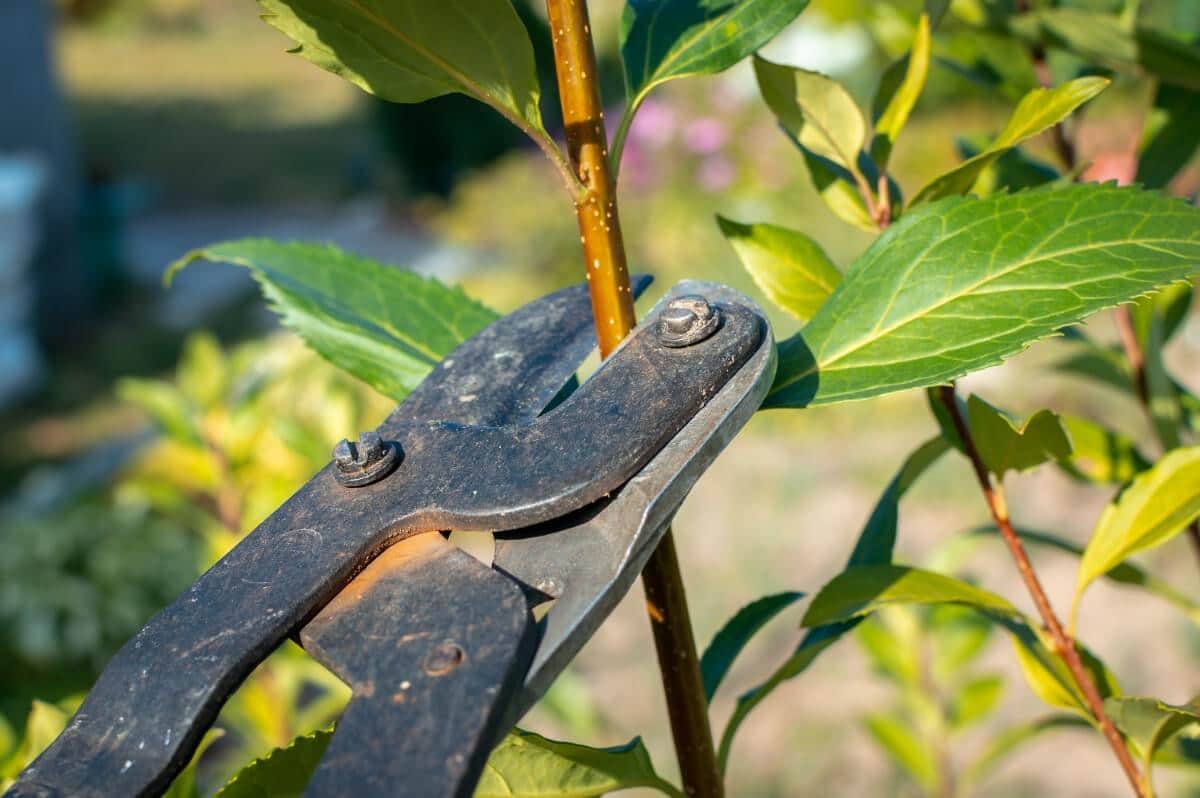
(705, 135)
(1119, 166)
(654, 125)
(715, 174)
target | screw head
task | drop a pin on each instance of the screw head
(444, 658)
(369, 461)
(687, 320)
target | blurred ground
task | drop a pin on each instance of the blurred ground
(200, 128)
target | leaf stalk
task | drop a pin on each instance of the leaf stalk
(1064, 645)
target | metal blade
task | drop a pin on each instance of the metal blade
(590, 561)
(512, 369)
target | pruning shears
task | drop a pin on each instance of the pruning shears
(442, 651)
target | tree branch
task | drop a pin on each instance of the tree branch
(1064, 646)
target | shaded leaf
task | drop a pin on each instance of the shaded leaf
(666, 39)
(903, 746)
(1038, 110)
(1007, 741)
(1005, 446)
(1158, 504)
(1150, 723)
(990, 60)
(861, 590)
(386, 326)
(837, 190)
(527, 765)
(815, 109)
(1172, 304)
(1015, 170)
(874, 546)
(1170, 139)
(184, 785)
(897, 99)
(407, 51)
(736, 633)
(1049, 677)
(1099, 454)
(1101, 364)
(789, 267)
(975, 700)
(962, 284)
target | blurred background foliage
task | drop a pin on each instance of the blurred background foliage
(149, 450)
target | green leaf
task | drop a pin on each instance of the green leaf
(386, 326)
(184, 785)
(736, 633)
(163, 402)
(1005, 446)
(887, 638)
(44, 723)
(903, 746)
(1099, 454)
(1101, 364)
(1170, 139)
(527, 765)
(837, 190)
(1158, 504)
(283, 773)
(816, 110)
(962, 284)
(1038, 110)
(1126, 573)
(861, 590)
(1051, 680)
(901, 97)
(1015, 170)
(1009, 740)
(201, 373)
(975, 700)
(992, 61)
(874, 546)
(1172, 304)
(1150, 723)
(663, 40)
(406, 51)
(789, 267)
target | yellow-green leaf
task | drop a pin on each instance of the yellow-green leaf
(903, 745)
(527, 765)
(1099, 454)
(1051, 680)
(44, 723)
(1006, 446)
(862, 590)
(837, 190)
(815, 109)
(1038, 110)
(1156, 506)
(789, 267)
(903, 97)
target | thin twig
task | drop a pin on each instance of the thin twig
(612, 305)
(1064, 646)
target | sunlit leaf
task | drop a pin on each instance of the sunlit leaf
(384, 325)
(1158, 504)
(407, 51)
(1150, 723)
(736, 633)
(837, 190)
(891, 655)
(166, 406)
(903, 746)
(789, 267)
(962, 284)
(1015, 170)
(184, 785)
(283, 773)
(815, 109)
(975, 700)
(527, 765)
(1038, 110)
(1005, 446)
(44, 723)
(897, 97)
(1050, 679)
(861, 590)
(1099, 454)
(201, 373)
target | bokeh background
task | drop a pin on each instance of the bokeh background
(144, 429)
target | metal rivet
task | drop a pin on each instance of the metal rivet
(443, 659)
(369, 461)
(687, 320)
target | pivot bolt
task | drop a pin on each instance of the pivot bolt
(369, 461)
(687, 320)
